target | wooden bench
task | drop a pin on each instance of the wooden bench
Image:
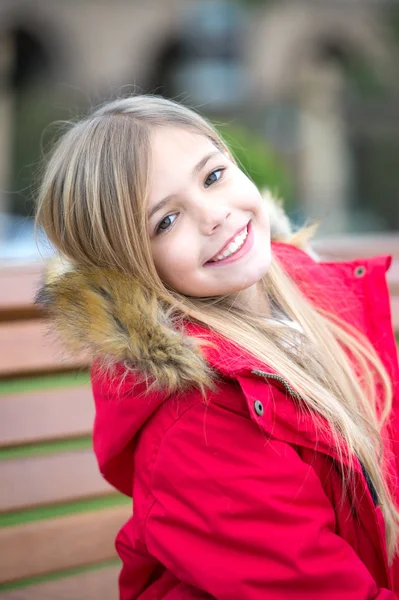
(58, 517)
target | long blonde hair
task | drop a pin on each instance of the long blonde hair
(92, 206)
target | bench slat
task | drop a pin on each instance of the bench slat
(52, 545)
(46, 415)
(18, 285)
(100, 584)
(356, 246)
(27, 347)
(395, 313)
(27, 482)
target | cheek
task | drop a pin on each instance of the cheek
(247, 192)
(175, 260)
(264, 214)
(260, 207)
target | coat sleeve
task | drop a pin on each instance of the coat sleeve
(242, 517)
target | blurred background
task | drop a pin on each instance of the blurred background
(305, 91)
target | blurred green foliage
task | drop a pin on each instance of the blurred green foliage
(258, 160)
(392, 13)
(33, 112)
(38, 111)
(364, 79)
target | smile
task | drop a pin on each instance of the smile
(234, 249)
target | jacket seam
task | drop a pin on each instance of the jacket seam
(145, 517)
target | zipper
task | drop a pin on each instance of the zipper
(285, 383)
(370, 484)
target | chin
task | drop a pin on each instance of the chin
(260, 271)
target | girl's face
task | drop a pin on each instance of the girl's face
(208, 224)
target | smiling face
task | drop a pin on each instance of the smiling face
(208, 225)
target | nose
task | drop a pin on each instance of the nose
(211, 215)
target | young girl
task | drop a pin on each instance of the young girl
(245, 392)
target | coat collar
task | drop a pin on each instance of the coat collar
(333, 286)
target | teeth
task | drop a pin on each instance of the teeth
(233, 246)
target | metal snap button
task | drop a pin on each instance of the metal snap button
(360, 271)
(258, 406)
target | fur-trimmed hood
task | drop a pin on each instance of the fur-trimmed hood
(109, 316)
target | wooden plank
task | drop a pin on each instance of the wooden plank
(27, 347)
(18, 285)
(46, 415)
(350, 247)
(99, 584)
(36, 480)
(395, 313)
(67, 542)
(393, 278)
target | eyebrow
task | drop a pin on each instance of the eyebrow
(196, 169)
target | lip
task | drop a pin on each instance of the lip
(245, 248)
(227, 243)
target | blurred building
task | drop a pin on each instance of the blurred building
(316, 78)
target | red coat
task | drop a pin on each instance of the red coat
(234, 500)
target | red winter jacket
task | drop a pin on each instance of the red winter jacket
(239, 499)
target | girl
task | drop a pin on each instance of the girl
(245, 392)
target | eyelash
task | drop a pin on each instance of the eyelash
(220, 170)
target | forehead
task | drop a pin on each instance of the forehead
(171, 144)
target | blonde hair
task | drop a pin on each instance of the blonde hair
(92, 207)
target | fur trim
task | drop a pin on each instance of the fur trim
(110, 316)
(281, 227)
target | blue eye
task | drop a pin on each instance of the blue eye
(165, 223)
(213, 177)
